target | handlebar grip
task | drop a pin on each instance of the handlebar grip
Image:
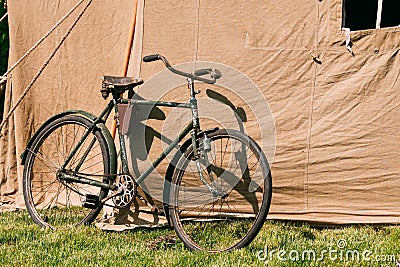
(151, 58)
(217, 74)
(201, 72)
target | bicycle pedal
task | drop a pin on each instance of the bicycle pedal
(90, 201)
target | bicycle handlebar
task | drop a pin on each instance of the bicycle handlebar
(214, 73)
(151, 58)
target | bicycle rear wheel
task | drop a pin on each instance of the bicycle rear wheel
(50, 201)
(227, 209)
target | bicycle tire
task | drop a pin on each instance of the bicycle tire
(50, 202)
(231, 217)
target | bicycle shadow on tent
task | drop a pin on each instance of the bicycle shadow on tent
(139, 139)
(242, 186)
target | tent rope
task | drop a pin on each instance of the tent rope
(25, 92)
(3, 17)
(4, 76)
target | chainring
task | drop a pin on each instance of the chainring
(128, 188)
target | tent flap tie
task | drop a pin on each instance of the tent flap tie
(349, 43)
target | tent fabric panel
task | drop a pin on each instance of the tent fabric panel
(331, 154)
(72, 78)
(334, 113)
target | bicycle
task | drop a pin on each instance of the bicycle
(217, 189)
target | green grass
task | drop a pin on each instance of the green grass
(22, 243)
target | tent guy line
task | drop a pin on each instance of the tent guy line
(5, 119)
(4, 76)
(3, 17)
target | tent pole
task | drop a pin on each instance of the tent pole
(130, 39)
(127, 56)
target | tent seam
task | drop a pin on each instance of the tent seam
(197, 37)
(313, 88)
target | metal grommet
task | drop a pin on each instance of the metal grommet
(376, 51)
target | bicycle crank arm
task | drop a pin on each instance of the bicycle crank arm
(92, 201)
(104, 200)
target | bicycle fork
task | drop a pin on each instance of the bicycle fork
(200, 152)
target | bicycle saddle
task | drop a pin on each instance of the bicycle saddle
(118, 85)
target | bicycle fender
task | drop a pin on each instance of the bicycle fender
(106, 133)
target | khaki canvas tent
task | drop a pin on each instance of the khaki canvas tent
(333, 93)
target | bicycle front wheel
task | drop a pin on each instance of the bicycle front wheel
(52, 202)
(220, 199)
